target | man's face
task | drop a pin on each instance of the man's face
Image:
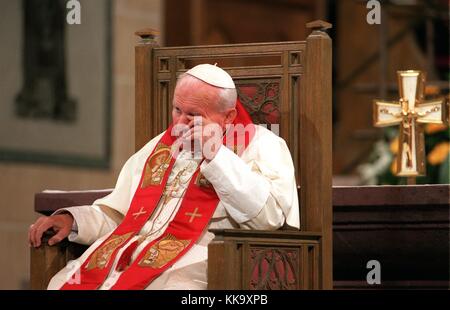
(201, 101)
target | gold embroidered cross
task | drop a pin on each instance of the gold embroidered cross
(193, 214)
(137, 214)
(409, 112)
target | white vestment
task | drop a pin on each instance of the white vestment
(256, 191)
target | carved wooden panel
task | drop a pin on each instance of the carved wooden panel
(261, 99)
(264, 260)
(274, 269)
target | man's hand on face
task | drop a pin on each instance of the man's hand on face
(61, 224)
(204, 134)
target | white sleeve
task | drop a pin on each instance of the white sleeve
(90, 223)
(93, 222)
(260, 193)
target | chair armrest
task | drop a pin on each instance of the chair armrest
(46, 261)
(48, 202)
(250, 259)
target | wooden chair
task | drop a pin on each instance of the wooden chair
(285, 83)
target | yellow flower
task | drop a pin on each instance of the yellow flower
(439, 153)
(432, 128)
(432, 90)
(394, 166)
(394, 146)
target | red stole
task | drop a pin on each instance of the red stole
(196, 209)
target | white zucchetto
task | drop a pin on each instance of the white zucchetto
(212, 75)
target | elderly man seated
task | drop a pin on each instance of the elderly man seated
(212, 168)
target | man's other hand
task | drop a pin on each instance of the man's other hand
(61, 224)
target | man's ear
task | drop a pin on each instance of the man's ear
(231, 115)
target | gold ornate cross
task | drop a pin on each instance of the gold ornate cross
(140, 212)
(410, 111)
(193, 215)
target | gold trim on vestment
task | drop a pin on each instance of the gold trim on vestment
(163, 251)
(156, 166)
(102, 255)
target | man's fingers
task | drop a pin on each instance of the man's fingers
(61, 223)
(32, 230)
(29, 234)
(194, 132)
(190, 134)
(33, 233)
(41, 229)
(193, 136)
(196, 120)
(62, 233)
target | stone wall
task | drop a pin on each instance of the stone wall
(19, 182)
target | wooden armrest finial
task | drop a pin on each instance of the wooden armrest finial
(147, 34)
(319, 25)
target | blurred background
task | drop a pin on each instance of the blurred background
(67, 90)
